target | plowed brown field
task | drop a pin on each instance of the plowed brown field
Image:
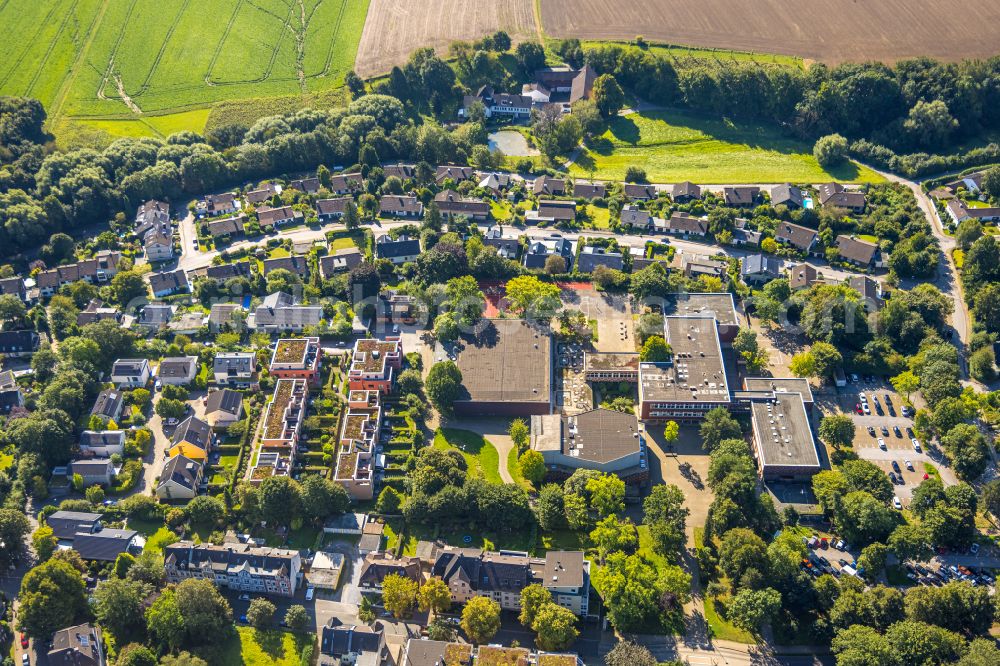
(827, 30)
(395, 28)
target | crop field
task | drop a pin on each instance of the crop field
(114, 60)
(673, 146)
(831, 31)
(397, 27)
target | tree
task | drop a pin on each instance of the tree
(443, 386)
(206, 510)
(575, 507)
(982, 652)
(991, 498)
(184, 658)
(968, 232)
(118, 606)
(533, 598)
(612, 534)
(435, 596)
(872, 559)
(165, 622)
(607, 494)
(864, 519)
(127, 286)
(930, 123)
(911, 542)
(982, 364)
(555, 265)
(625, 653)
(991, 181)
(532, 466)
(134, 654)
(399, 594)
(608, 96)
(746, 345)
(655, 350)
(743, 555)
(366, 612)
(750, 609)
(389, 501)
(481, 619)
(920, 643)
(14, 527)
(519, 433)
(260, 613)
(52, 596)
(717, 426)
(528, 294)
(550, 508)
(859, 645)
(44, 542)
(297, 619)
(410, 381)
(280, 500)
(530, 56)
(665, 514)
(830, 150)
(869, 477)
(986, 307)
(322, 498)
(967, 450)
(906, 383)
(957, 606)
(206, 613)
(837, 430)
(555, 626)
(634, 591)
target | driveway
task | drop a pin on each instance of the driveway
(153, 460)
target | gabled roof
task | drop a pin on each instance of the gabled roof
(455, 172)
(226, 401)
(129, 366)
(755, 264)
(687, 189)
(740, 196)
(786, 194)
(227, 271)
(193, 431)
(856, 250)
(548, 185)
(404, 246)
(835, 194)
(177, 366)
(295, 264)
(557, 210)
(181, 470)
(169, 281)
(394, 203)
(343, 259)
(335, 206)
(797, 236)
(586, 190)
(639, 191)
(801, 276)
(108, 403)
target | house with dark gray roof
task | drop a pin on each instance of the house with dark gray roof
(508, 248)
(583, 189)
(178, 370)
(93, 471)
(345, 183)
(593, 256)
(402, 171)
(223, 408)
(234, 368)
(104, 545)
(861, 253)
(453, 172)
(634, 216)
(67, 524)
(400, 206)
(180, 479)
(97, 311)
(358, 645)
(171, 282)
(601, 439)
(276, 217)
(282, 312)
(340, 261)
(18, 343)
(379, 565)
(399, 251)
(130, 372)
(453, 204)
(835, 194)
(108, 404)
(102, 443)
(548, 186)
(540, 250)
(685, 192)
(13, 286)
(238, 566)
(227, 226)
(223, 272)
(265, 192)
(787, 195)
(741, 197)
(551, 210)
(294, 264)
(77, 646)
(758, 269)
(332, 209)
(799, 237)
(307, 185)
(684, 224)
(639, 191)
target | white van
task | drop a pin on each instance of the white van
(881, 444)
(310, 591)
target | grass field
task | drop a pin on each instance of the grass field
(673, 146)
(679, 54)
(151, 68)
(481, 457)
(254, 647)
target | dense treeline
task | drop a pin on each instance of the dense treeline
(918, 106)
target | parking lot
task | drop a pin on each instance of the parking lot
(573, 394)
(884, 439)
(613, 314)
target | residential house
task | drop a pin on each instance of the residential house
(98, 270)
(18, 343)
(97, 311)
(694, 266)
(108, 405)
(223, 408)
(279, 437)
(787, 195)
(552, 246)
(360, 431)
(972, 183)
(400, 206)
(452, 204)
(217, 204)
(505, 105)
(328, 210)
(192, 438)
(592, 256)
(495, 181)
(156, 315)
(106, 545)
(741, 197)
(226, 226)
(404, 172)
(583, 189)
(281, 312)
(236, 369)
(500, 576)
(93, 471)
(297, 358)
(152, 225)
(425, 652)
(307, 185)
(802, 276)
(684, 224)
(742, 236)
(180, 478)
(960, 211)
(561, 85)
(379, 565)
(223, 272)
(799, 237)
(277, 217)
(345, 183)
(758, 269)
(550, 210)
(294, 264)
(324, 570)
(340, 261)
(264, 193)
(130, 372)
(66, 525)
(870, 290)
(685, 192)
(374, 364)
(188, 323)
(14, 286)
(635, 217)
(177, 370)
(453, 172)
(226, 317)
(102, 443)
(861, 253)
(835, 194)
(151, 214)
(548, 186)
(639, 192)
(356, 645)
(81, 645)
(395, 308)
(237, 566)
(10, 392)
(171, 282)
(399, 251)
(158, 245)
(508, 248)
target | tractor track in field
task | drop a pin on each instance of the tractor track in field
(51, 48)
(222, 40)
(109, 70)
(286, 24)
(28, 44)
(163, 47)
(333, 41)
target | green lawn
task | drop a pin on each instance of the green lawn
(342, 243)
(721, 629)
(599, 216)
(253, 647)
(514, 469)
(480, 456)
(6, 459)
(682, 53)
(159, 539)
(676, 145)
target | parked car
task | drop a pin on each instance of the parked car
(916, 445)
(857, 408)
(909, 432)
(885, 431)
(881, 444)
(895, 466)
(866, 409)
(897, 432)
(24, 641)
(908, 464)
(974, 549)
(171, 421)
(871, 430)
(896, 504)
